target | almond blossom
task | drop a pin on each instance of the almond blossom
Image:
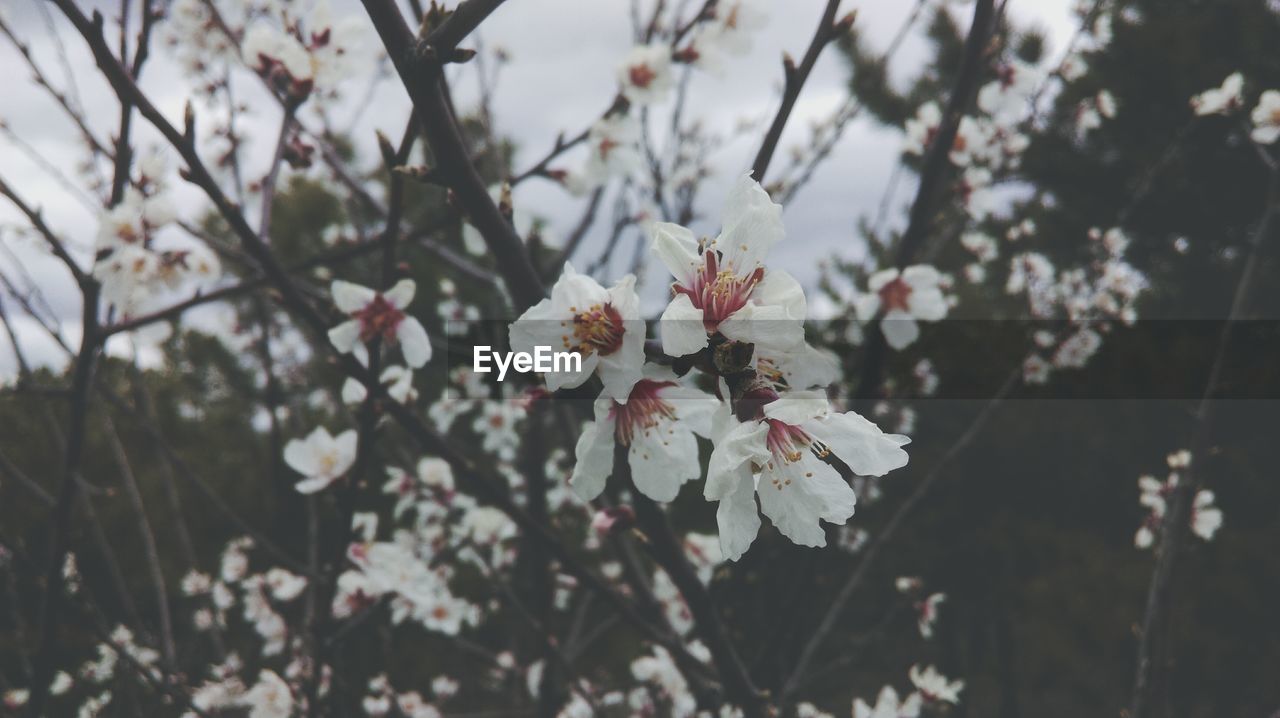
(270, 697)
(1221, 100)
(722, 286)
(304, 49)
(603, 326)
(1206, 518)
(935, 687)
(613, 145)
(379, 315)
(927, 613)
(321, 458)
(646, 75)
(657, 424)
(922, 128)
(1266, 118)
(888, 706)
(779, 455)
(1008, 96)
(901, 298)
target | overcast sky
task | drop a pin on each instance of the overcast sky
(561, 76)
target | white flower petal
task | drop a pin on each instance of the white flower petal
(677, 247)
(742, 444)
(350, 297)
(414, 342)
(737, 517)
(345, 336)
(401, 294)
(682, 330)
(859, 443)
(594, 453)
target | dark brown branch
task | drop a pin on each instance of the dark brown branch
(421, 73)
(60, 520)
(796, 75)
(933, 172)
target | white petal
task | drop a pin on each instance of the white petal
(740, 445)
(866, 306)
(859, 443)
(414, 342)
(300, 457)
(677, 247)
(350, 297)
(921, 276)
(768, 327)
(401, 294)
(781, 289)
(540, 325)
(927, 304)
(682, 330)
(313, 485)
(798, 496)
(797, 407)
(594, 453)
(345, 336)
(746, 242)
(574, 293)
(662, 459)
(557, 380)
(878, 280)
(899, 329)
(737, 517)
(353, 392)
(346, 444)
(694, 409)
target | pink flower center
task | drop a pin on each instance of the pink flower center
(599, 328)
(644, 410)
(787, 443)
(641, 75)
(379, 318)
(719, 292)
(896, 295)
(606, 146)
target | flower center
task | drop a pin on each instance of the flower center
(641, 75)
(719, 292)
(896, 295)
(644, 410)
(599, 328)
(379, 317)
(606, 146)
(787, 443)
(327, 463)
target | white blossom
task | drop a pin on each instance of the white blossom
(1221, 100)
(377, 314)
(901, 298)
(1266, 118)
(657, 424)
(321, 458)
(602, 326)
(778, 456)
(722, 286)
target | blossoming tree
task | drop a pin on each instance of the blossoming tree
(402, 535)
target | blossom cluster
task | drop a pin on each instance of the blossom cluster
(137, 267)
(1206, 518)
(771, 440)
